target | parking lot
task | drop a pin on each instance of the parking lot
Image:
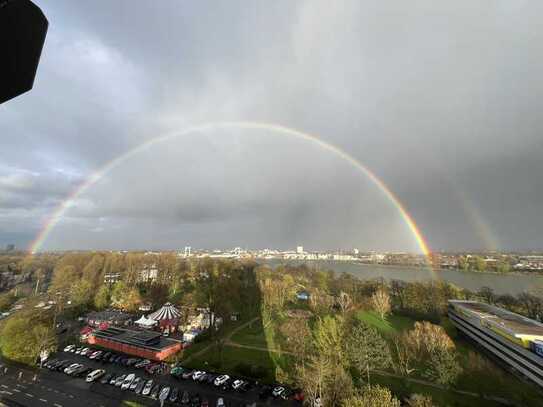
(190, 392)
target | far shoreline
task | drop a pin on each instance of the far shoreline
(404, 266)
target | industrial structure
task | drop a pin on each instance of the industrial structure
(515, 340)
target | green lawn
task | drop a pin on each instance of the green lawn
(252, 335)
(390, 325)
(233, 357)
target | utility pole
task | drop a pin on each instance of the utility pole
(37, 285)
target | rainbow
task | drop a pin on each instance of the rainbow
(281, 130)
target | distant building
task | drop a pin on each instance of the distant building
(517, 341)
(111, 278)
(149, 273)
(300, 250)
(10, 247)
(109, 317)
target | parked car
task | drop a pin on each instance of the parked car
(119, 381)
(147, 389)
(69, 348)
(197, 374)
(237, 384)
(187, 374)
(277, 391)
(221, 379)
(94, 375)
(185, 397)
(82, 371)
(287, 394)
(174, 395)
(195, 400)
(210, 378)
(78, 350)
(227, 385)
(204, 403)
(128, 381)
(95, 355)
(84, 351)
(164, 393)
(155, 391)
(142, 363)
(135, 383)
(140, 386)
(203, 378)
(71, 368)
(107, 378)
(177, 371)
(246, 386)
(220, 402)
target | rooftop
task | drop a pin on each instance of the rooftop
(517, 324)
(142, 339)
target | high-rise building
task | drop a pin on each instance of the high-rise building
(300, 249)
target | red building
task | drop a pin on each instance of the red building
(143, 344)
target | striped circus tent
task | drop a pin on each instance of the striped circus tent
(167, 317)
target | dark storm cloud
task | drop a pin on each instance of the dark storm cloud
(440, 99)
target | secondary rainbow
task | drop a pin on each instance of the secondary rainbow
(282, 130)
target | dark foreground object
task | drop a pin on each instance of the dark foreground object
(23, 27)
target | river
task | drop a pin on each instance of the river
(500, 283)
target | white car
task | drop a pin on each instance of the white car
(128, 381)
(237, 384)
(221, 380)
(94, 355)
(135, 383)
(84, 351)
(164, 393)
(96, 374)
(220, 402)
(72, 367)
(69, 348)
(147, 389)
(196, 375)
(277, 391)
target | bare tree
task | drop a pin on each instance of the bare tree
(380, 301)
(344, 301)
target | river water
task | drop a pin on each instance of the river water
(500, 283)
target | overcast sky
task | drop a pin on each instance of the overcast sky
(442, 100)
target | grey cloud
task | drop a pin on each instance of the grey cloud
(441, 100)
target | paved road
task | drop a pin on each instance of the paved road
(55, 389)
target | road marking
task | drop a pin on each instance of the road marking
(29, 395)
(20, 385)
(6, 392)
(45, 401)
(57, 405)
(17, 390)
(70, 396)
(4, 386)
(56, 391)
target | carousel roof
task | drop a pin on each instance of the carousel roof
(168, 311)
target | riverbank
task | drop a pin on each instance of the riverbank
(510, 283)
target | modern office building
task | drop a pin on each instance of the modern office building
(514, 339)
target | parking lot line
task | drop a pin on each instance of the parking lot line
(57, 405)
(45, 401)
(17, 390)
(6, 392)
(29, 395)
(4, 386)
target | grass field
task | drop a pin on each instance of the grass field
(234, 358)
(390, 325)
